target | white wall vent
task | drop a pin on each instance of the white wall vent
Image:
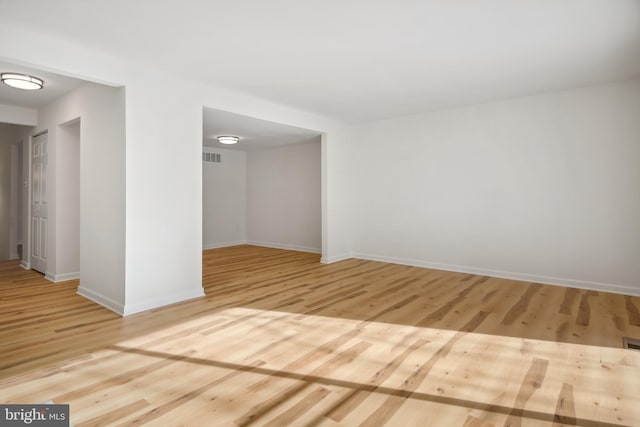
(211, 157)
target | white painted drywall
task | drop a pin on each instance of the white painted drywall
(15, 183)
(102, 191)
(18, 115)
(542, 188)
(164, 194)
(337, 195)
(284, 197)
(521, 186)
(68, 200)
(224, 199)
(22, 184)
(5, 196)
(10, 186)
(161, 253)
(6, 139)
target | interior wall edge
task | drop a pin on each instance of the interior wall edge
(102, 300)
(162, 301)
(335, 258)
(63, 277)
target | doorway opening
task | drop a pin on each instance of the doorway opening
(266, 190)
(68, 201)
(11, 189)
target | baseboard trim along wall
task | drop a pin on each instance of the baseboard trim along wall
(160, 302)
(581, 284)
(335, 258)
(206, 246)
(285, 246)
(62, 277)
(25, 265)
(128, 309)
(102, 300)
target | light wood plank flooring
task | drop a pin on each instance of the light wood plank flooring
(282, 340)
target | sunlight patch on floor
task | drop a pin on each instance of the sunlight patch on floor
(218, 359)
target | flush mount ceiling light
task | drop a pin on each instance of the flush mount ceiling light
(228, 139)
(22, 81)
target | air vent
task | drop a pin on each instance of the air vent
(211, 157)
(631, 344)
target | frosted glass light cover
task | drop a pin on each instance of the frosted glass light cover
(228, 139)
(22, 81)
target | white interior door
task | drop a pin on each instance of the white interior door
(39, 226)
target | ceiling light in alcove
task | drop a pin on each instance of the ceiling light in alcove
(228, 139)
(22, 81)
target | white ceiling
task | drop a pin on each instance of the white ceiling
(55, 86)
(254, 133)
(359, 60)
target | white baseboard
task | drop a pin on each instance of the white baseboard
(104, 301)
(128, 309)
(14, 256)
(206, 246)
(572, 283)
(62, 277)
(162, 301)
(336, 258)
(285, 246)
(24, 264)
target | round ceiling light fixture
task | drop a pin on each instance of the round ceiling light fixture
(228, 139)
(22, 81)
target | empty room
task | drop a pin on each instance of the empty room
(320, 213)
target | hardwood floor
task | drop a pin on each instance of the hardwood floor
(281, 340)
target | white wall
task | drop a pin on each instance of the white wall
(542, 188)
(15, 183)
(68, 201)
(337, 195)
(100, 110)
(10, 186)
(224, 199)
(163, 193)
(163, 184)
(6, 139)
(566, 156)
(284, 197)
(164, 196)
(18, 115)
(21, 184)
(428, 189)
